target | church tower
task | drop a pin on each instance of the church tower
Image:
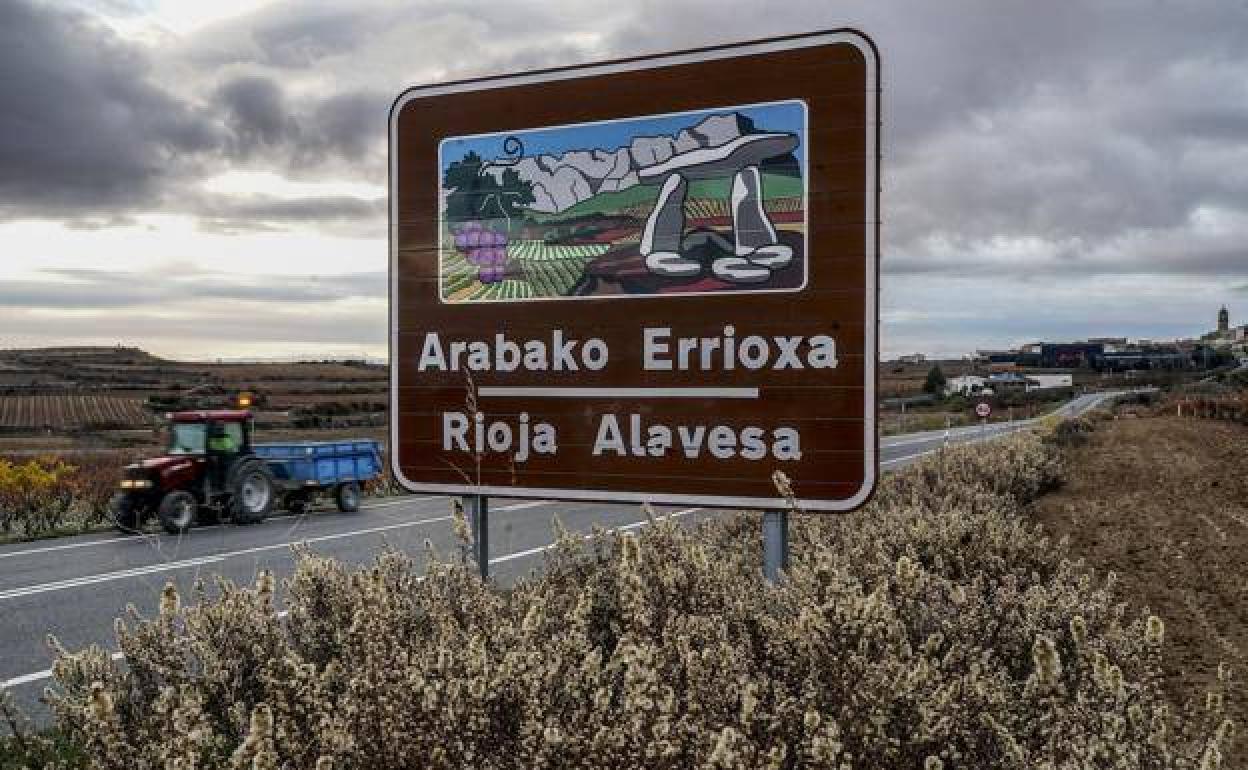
(1224, 321)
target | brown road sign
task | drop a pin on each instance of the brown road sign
(651, 279)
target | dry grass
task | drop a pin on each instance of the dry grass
(937, 628)
(50, 495)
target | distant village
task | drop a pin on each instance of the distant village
(1031, 366)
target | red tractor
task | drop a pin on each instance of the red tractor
(209, 472)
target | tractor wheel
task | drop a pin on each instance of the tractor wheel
(348, 497)
(177, 512)
(251, 493)
(126, 516)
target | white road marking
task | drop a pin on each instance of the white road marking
(61, 585)
(26, 678)
(896, 460)
(139, 538)
(522, 506)
(66, 547)
(403, 501)
(36, 676)
(954, 434)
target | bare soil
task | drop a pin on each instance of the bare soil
(1163, 502)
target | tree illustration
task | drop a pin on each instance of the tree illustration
(475, 195)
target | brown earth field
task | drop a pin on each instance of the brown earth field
(57, 399)
(1163, 502)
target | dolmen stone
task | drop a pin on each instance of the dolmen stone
(756, 250)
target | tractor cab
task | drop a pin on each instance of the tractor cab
(220, 433)
(220, 437)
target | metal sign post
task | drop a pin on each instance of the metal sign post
(775, 543)
(478, 509)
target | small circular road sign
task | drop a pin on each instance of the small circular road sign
(983, 409)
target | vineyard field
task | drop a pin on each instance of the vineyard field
(549, 270)
(540, 251)
(62, 412)
(503, 290)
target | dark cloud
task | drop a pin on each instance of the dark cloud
(338, 214)
(343, 131)
(182, 286)
(255, 110)
(1028, 140)
(347, 125)
(83, 130)
(89, 136)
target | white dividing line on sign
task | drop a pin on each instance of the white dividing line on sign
(487, 391)
(37, 676)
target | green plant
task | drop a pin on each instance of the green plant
(22, 747)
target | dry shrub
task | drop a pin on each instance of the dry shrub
(1072, 433)
(385, 484)
(46, 495)
(35, 495)
(936, 628)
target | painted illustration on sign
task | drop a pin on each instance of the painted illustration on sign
(688, 203)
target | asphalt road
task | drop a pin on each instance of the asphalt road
(896, 451)
(74, 587)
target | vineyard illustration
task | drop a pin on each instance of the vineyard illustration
(694, 203)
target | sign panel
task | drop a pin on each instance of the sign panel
(652, 279)
(983, 409)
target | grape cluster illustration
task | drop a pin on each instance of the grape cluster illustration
(484, 247)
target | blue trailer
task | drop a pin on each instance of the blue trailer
(303, 471)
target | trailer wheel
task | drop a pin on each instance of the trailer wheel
(126, 516)
(252, 493)
(177, 512)
(347, 496)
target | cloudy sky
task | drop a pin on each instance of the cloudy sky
(208, 179)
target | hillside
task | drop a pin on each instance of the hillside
(115, 396)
